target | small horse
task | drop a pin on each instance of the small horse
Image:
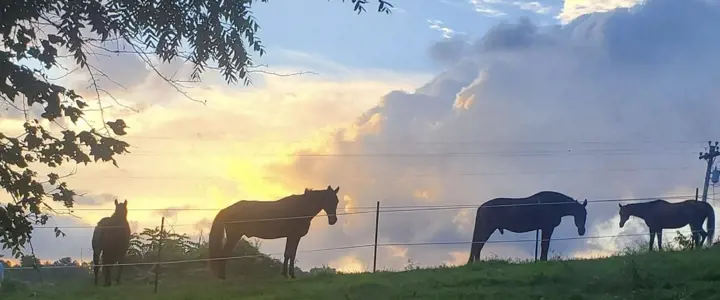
(111, 239)
(543, 211)
(288, 217)
(660, 214)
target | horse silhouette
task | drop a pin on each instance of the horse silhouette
(543, 211)
(287, 217)
(111, 240)
(660, 214)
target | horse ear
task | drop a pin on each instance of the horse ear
(619, 205)
(116, 203)
(337, 189)
(306, 190)
(125, 202)
(585, 203)
(329, 188)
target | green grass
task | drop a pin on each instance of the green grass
(668, 275)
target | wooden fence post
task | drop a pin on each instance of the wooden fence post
(537, 240)
(537, 237)
(377, 219)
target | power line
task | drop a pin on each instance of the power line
(461, 206)
(517, 241)
(414, 141)
(171, 262)
(383, 207)
(421, 175)
(390, 209)
(421, 155)
(229, 222)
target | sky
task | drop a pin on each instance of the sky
(442, 102)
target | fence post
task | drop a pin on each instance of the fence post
(537, 237)
(160, 244)
(377, 219)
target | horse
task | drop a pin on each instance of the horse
(111, 239)
(288, 217)
(541, 211)
(660, 214)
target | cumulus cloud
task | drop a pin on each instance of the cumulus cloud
(488, 7)
(446, 31)
(611, 105)
(533, 6)
(448, 51)
(574, 8)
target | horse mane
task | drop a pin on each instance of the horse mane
(557, 197)
(303, 198)
(642, 204)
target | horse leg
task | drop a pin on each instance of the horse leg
(480, 236)
(96, 265)
(695, 235)
(659, 239)
(703, 236)
(545, 244)
(106, 273)
(107, 267)
(652, 240)
(121, 260)
(291, 251)
(699, 235)
(232, 239)
(284, 271)
(286, 258)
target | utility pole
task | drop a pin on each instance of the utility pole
(710, 158)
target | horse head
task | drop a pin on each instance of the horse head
(121, 209)
(328, 201)
(624, 214)
(580, 217)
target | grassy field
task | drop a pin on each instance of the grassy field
(669, 275)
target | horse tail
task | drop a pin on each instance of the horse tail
(215, 241)
(710, 224)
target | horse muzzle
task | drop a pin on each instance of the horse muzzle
(581, 231)
(332, 219)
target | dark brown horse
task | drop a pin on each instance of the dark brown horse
(542, 211)
(660, 214)
(111, 239)
(288, 217)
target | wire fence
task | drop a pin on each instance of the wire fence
(383, 210)
(366, 210)
(359, 246)
(376, 210)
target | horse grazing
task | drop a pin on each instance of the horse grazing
(542, 211)
(660, 214)
(111, 239)
(288, 217)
